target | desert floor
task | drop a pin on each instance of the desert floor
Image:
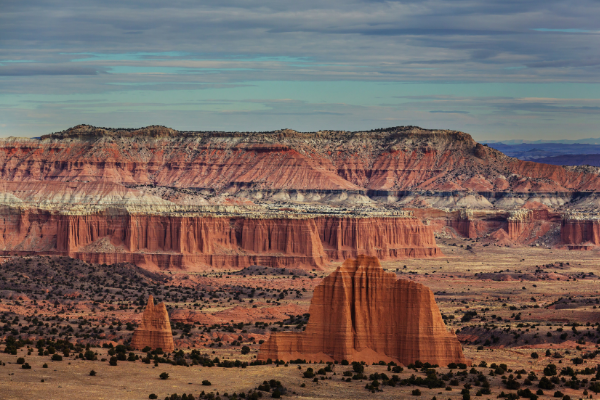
(516, 301)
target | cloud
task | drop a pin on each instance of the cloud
(152, 49)
(46, 69)
(448, 112)
(570, 30)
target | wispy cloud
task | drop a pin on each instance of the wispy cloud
(332, 58)
(567, 30)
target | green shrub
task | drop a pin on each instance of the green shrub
(309, 373)
(164, 375)
(545, 384)
(550, 370)
(206, 383)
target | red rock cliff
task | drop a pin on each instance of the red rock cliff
(362, 313)
(166, 242)
(384, 238)
(575, 232)
(399, 158)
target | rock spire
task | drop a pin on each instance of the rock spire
(155, 330)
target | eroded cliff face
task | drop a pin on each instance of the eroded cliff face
(200, 242)
(580, 232)
(155, 329)
(384, 238)
(393, 159)
(362, 313)
(332, 173)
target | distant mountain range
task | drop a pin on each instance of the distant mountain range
(559, 141)
(565, 152)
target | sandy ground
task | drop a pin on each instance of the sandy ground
(529, 282)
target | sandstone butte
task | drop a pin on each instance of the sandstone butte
(362, 313)
(155, 329)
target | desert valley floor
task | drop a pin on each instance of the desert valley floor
(505, 304)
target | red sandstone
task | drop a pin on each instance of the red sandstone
(165, 242)
(155, 329)
(402, 158)
(362, 313)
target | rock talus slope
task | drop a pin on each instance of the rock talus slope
(155, 329)
(362, 313)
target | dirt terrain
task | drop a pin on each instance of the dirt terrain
(504, 303)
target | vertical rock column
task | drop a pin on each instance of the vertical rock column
(155, 330)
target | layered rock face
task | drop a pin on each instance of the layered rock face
(392, 159)
(362, 313)
(385, 238)
(322, 178)
(199, 242)
(155, 329)
(580, 232)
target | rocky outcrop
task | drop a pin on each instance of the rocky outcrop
(532, 224)
(155, 329)
(201, 242)
(580, 232)
(362, 313)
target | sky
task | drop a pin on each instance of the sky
(497, 69)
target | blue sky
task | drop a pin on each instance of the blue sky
(496, 69)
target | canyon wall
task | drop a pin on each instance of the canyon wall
(392, 159)
(534, 223)
(362, 313)
(580, 233)
(458, 186)
(384, 238)
(199, 242)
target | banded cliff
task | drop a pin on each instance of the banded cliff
(198, 242)
(380, 170)
(386, 160)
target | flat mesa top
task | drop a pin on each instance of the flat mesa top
(158, 131)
